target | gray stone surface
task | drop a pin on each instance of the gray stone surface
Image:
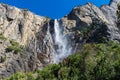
(30, 31)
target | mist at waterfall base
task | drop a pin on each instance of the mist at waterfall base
(61, 47)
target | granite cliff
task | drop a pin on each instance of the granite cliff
(25, 44)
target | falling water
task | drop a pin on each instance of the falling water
(62, 48)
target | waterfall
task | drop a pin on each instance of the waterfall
(62, 47)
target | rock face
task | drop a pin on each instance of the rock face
(110, 14)
(29, 31)
(85, 16)
(82, 18)
(23, 30)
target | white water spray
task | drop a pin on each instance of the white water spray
(62, 48)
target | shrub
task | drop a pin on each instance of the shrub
(13, 48)
(18, 76)
(49, 73)
(14, 43)
(94, 62)
(2, 37)
(3, 59)
(30, 76)
(63, 73)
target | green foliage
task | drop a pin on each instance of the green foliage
(18, 76)
(2, 37)
(14, 43)
(48, 73)
(94, 62)
(22, 76)
(30, 76)
(3, 59)
(86, 31)
(100, 34)
(63, 73)
(14, 47)
(95, 33)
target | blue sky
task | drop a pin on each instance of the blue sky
(51, 8)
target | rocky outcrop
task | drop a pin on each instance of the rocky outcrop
(28, 30)
(81, 19)
(104, 18)
(26, 42)
(110, 13)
